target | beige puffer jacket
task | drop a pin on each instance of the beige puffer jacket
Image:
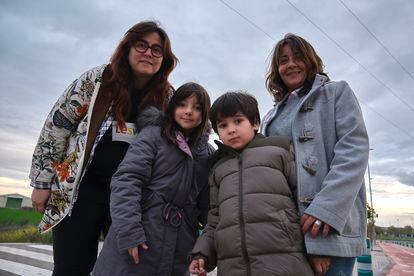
(253, 225)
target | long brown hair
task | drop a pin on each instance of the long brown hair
(305, 52)
(203, 99)
(119, 78)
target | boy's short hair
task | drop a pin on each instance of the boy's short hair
(233, 102)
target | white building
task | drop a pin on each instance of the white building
(15, 201)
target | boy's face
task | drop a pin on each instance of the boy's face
(236, 131)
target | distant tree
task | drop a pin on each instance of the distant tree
(392, 231)
(379, 230)
(371, 214)
(407, 230)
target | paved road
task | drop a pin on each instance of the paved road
(402, 259)
(26, 259)
(36, 259)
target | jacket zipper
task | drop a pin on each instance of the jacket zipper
(241, 219)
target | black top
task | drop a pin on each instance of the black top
(107, 156)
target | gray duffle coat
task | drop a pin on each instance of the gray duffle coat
(331, 153)
(158, 196)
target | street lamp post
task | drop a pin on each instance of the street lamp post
(369, 183)
(372, 206)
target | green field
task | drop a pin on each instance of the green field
(10, 217)
(20, 225)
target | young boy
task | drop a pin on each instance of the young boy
(253, 224)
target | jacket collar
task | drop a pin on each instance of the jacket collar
(319, 81)
(224, 150)
(151, 116)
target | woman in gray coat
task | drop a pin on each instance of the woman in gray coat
(159, 195)
(324, 121)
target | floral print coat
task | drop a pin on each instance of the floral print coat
(59, 156)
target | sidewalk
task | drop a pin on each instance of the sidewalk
(381, 264)
(37, 259)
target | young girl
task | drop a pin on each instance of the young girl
(159, 194)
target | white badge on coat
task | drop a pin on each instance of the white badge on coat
(125, 134)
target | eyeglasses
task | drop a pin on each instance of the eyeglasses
(142, 46)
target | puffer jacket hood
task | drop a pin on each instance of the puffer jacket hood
(151, 116)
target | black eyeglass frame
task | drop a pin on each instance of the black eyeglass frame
(141, 50)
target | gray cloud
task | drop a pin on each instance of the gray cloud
(45, 44)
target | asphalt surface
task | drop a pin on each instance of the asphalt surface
(37, 259)
(26, 259)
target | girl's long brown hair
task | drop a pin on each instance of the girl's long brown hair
(203, 99)
(118, 78)
(305, 52)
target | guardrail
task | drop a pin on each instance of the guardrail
(409, 244)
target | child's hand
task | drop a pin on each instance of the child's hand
(197, 267)
(133, 251)
(320, 264)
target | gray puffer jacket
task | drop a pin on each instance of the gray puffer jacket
(253, 224)
(158, 196)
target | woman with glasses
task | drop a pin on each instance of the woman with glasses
(86, 136)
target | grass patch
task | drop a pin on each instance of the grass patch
(26, 234)
(20, 225)
(19, 217)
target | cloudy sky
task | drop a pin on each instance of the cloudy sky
(223, 45)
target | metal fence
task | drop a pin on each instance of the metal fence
(409, 244)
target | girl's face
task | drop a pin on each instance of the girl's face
(292, 69)
(187, 114)
(145, 63)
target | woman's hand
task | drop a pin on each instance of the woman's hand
(320, 264)
(197, 267)
(314, 225)
(40, 198)
(133, 251)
